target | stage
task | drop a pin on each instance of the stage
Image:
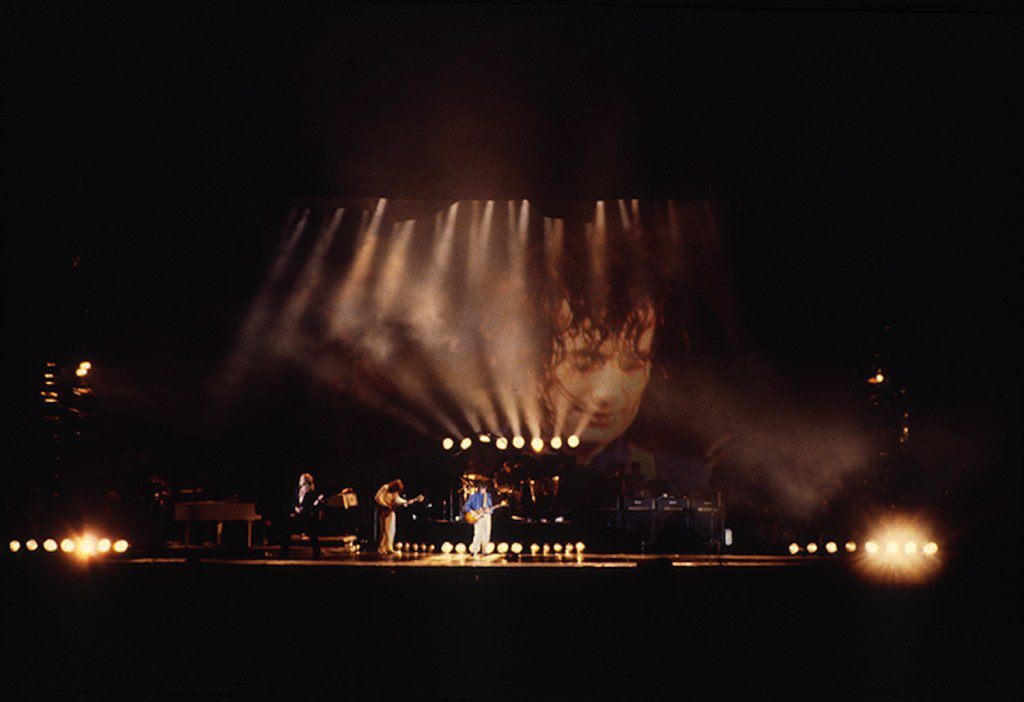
(436, 626)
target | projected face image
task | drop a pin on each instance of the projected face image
(599, 379)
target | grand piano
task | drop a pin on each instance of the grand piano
(218, 511)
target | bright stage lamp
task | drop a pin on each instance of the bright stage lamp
(448, 443)
(892, 547)
(831, 547)
(851, 546)
(465, 443)
(557, 548)
(794, 548)
(81, 372)
(556, 442)
(87, 545)
(503, 548)
(15, 546)
(812, 547)
(545, 549)
(103, 545)
(534, 548)
(460, 548)
(447, 547)
(580, 547)
(501, 442)
(398, 546)
(516, 548)
(31, 544)
(537, 444)
(568, 549)
(120, 546)
(910, 547)
(484, 438)
(489, 548)
(871, 547)
(518, 442)
(930, 548)
(67, 546)
(86, 365)
(573, 441)
(50, 545)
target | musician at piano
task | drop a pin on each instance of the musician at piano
(388, 497)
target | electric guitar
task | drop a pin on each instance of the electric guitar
(418, 498)
(473, 515)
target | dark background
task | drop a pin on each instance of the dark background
(868, 155)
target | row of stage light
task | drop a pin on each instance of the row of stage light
(871, 548)
(517, 442)
(501, 548)
(82, 546)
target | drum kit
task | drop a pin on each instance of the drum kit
(531, 488)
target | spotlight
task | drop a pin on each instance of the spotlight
(86, 365)
(537, 444)
(519, 442)
(484, 438)
(794, 548)
(430, 548)
(546, 549)
(501, 442)
(580, 547)
(568, 549)
(910, 547)
(465, 443)
(447, 443)
(87, 545)
(50, 545)
(930, 548)
(398, 546)
(812, 547)
(503, 548)
(81, 372)
(67, 546)
(516, 548)
(573, 441)
(460, 548)
(851, 546)
(892, 547)
(556, 442)
(447, 547)
(31, 544)
(557, 548)
(489, 548)
(871, 547)
(423, 547)
(103, 545)
(120, 546)
(534, 548)
(15, 546)
(831, 547)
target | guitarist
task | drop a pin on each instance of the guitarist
(388, 497)
(480, 505)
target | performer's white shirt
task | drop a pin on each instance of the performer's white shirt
(388, 499)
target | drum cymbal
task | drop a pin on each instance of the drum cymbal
(476, 478)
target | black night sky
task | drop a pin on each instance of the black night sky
(869, 157)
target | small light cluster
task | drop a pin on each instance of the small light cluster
(518, 442)
(871, 548)
(516, 548)
(85, 546)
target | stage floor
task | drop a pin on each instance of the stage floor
(340, 558)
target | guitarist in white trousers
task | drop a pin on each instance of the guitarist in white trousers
(481, 505)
